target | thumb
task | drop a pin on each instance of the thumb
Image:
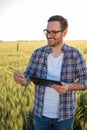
(62, 83)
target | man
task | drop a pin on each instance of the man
(55, 105)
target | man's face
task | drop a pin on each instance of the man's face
(54, 34)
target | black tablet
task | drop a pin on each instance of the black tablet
(44, 82)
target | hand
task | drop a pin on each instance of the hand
(19, 78)
(62, 89)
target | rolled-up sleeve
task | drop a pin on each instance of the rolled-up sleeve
(81, 69)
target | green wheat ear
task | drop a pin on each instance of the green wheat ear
(12, 68)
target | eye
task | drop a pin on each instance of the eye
(53, 32)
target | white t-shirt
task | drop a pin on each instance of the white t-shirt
(51, 97)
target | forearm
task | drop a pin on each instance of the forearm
(76, 87)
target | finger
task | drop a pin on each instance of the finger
(59, 89)
(15, 73)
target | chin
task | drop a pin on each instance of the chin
(51, 44)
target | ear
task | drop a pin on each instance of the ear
(65, 32)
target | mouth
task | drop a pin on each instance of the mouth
(51, 39)
(51, 42)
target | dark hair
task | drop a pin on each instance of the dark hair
(63, 21)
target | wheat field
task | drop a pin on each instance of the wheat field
(16, 101)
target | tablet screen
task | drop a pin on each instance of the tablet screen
(44, 82)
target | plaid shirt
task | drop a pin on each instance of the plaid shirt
(73, 69)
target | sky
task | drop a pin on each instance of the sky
(26, 19)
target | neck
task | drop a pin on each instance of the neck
(57, 50)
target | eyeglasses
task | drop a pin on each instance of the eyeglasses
(52, 33)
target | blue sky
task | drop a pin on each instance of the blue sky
(26, 19)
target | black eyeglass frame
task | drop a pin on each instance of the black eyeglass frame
(53, 33)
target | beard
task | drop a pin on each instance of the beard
(54, 42)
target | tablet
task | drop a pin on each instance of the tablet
(44, 82)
